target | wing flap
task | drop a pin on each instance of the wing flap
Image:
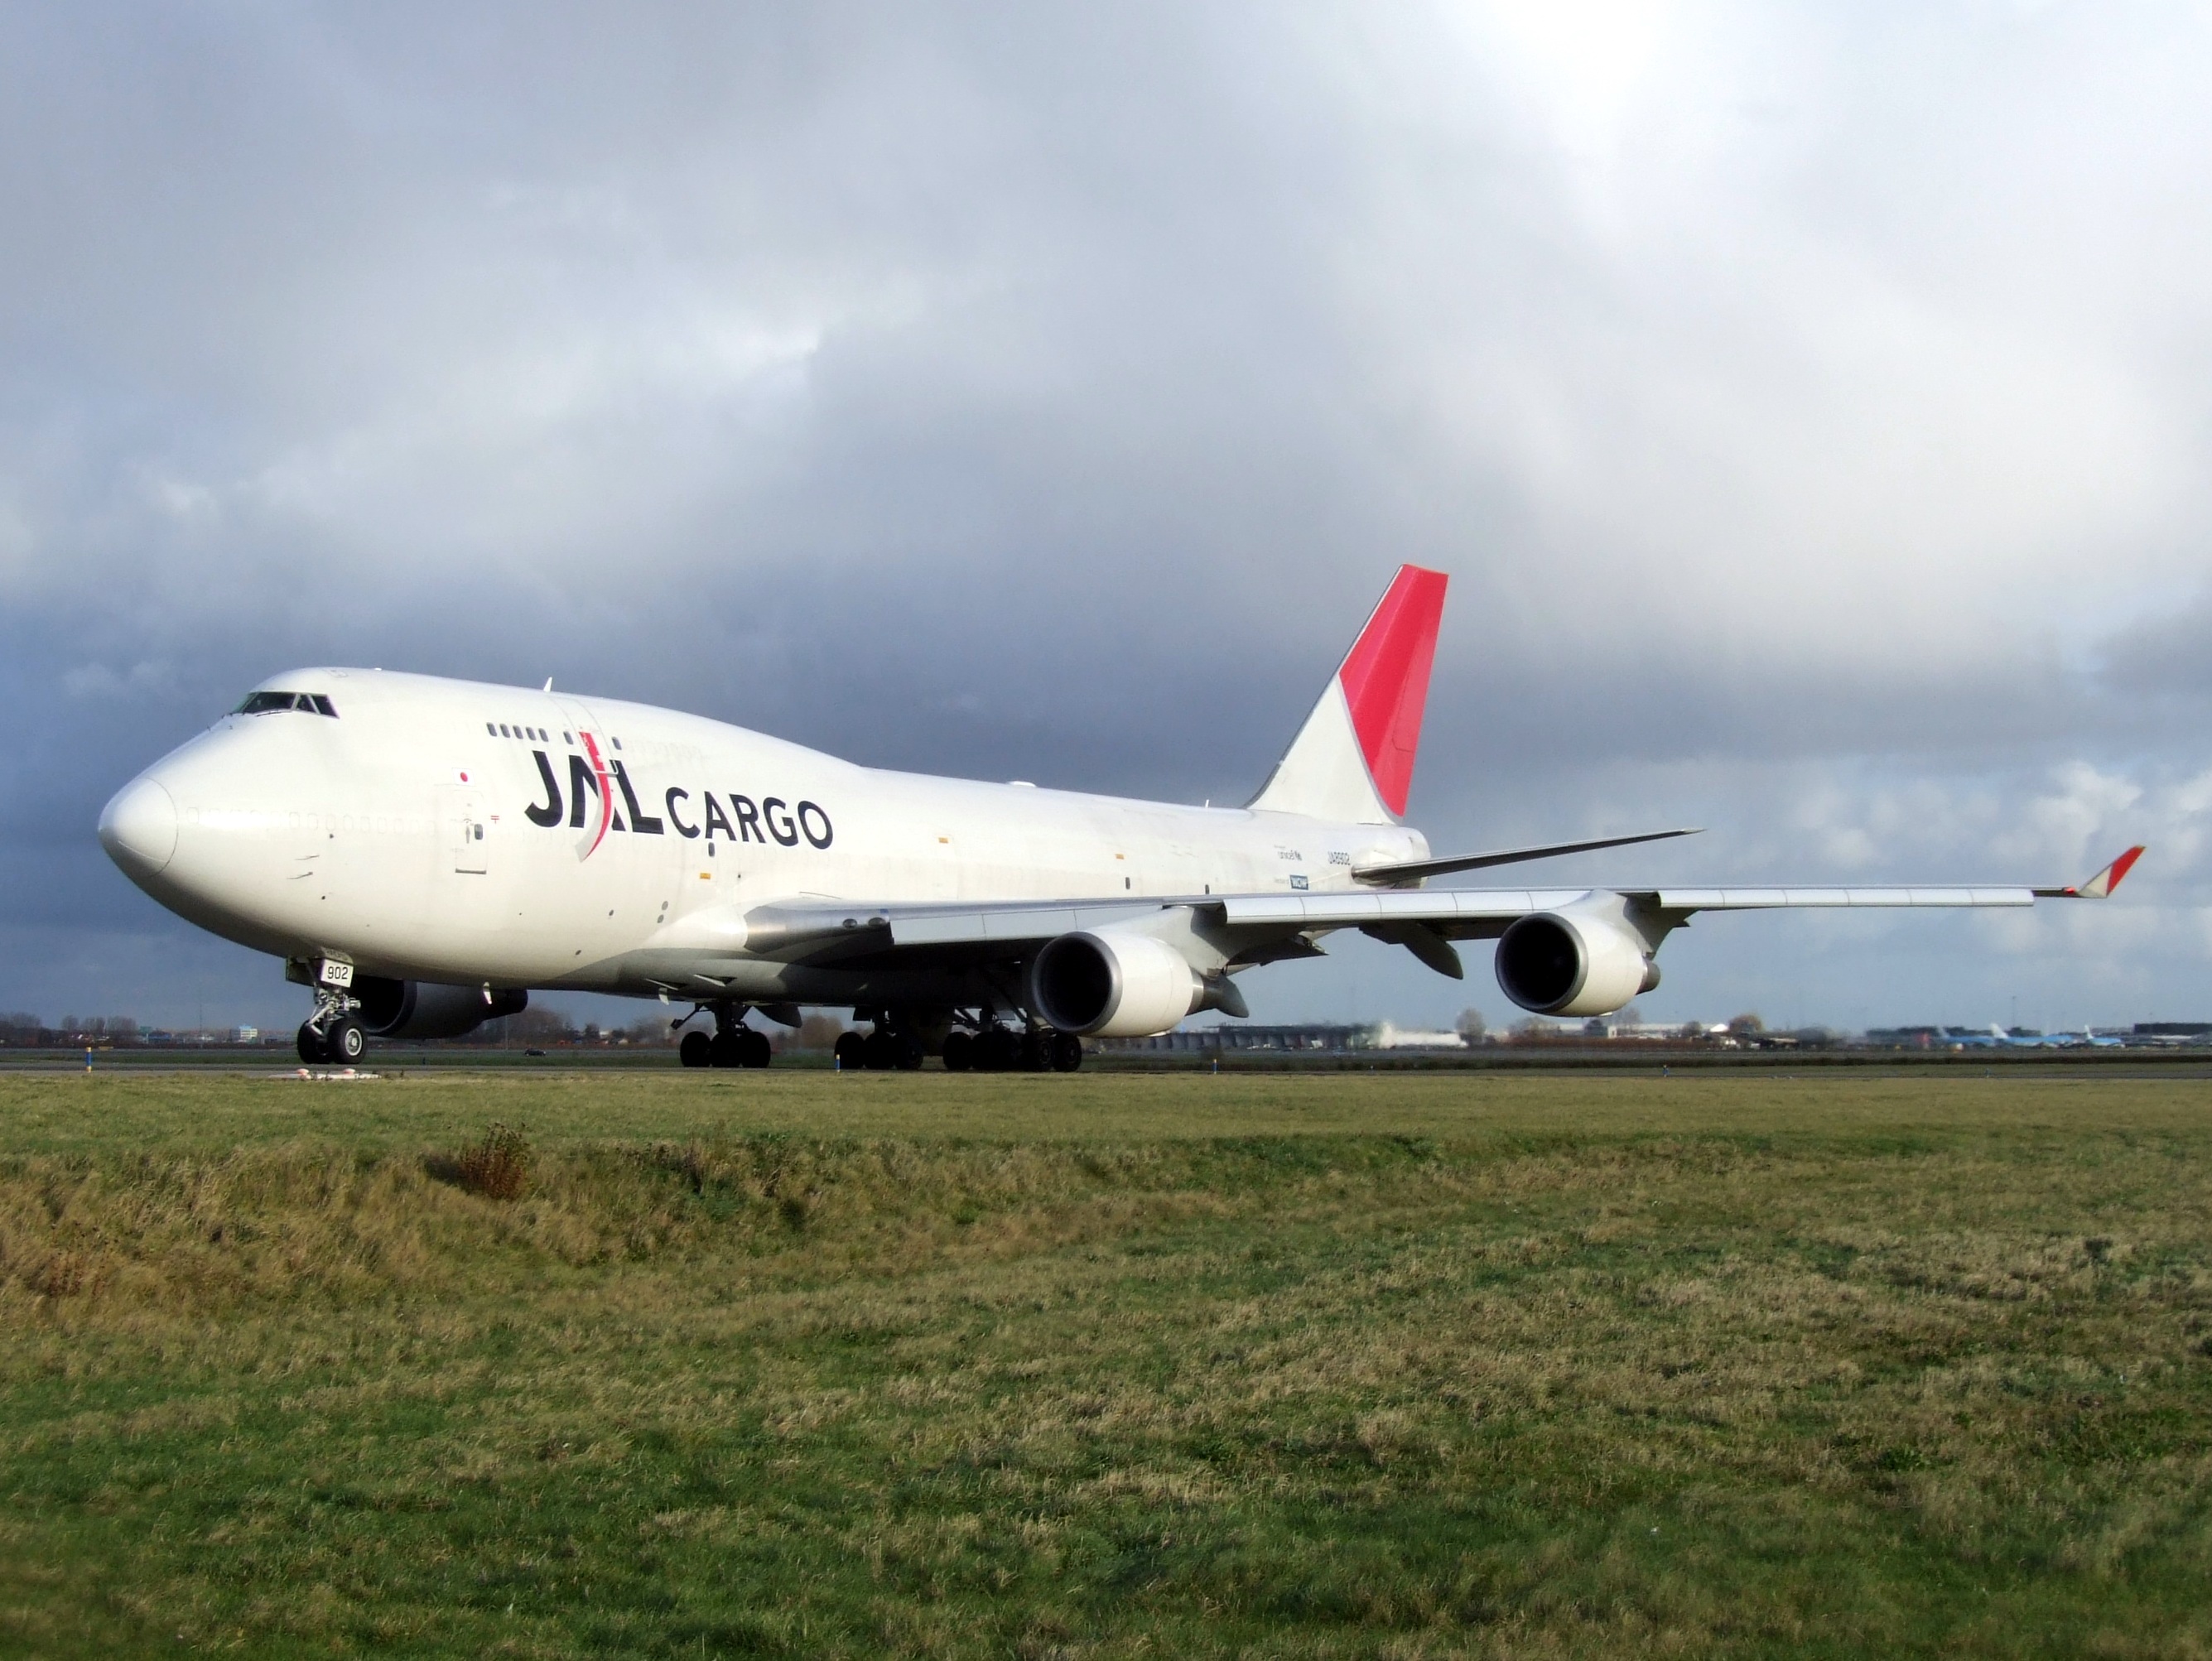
(992, 923)
(1341, 911)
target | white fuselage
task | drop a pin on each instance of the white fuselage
(399, 835)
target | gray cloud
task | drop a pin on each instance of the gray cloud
(1806, 406)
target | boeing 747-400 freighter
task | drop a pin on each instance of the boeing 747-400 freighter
(423, 853)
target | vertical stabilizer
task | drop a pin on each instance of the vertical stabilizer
(1353, 759)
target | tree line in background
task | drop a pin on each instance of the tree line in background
(24, 1030)
(532, 1029)
(541, 1028)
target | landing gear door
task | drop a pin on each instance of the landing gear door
(464, 830)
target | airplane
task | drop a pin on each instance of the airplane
(1996, 1037)
(1999, 1038)
(423, 853)
(2087, 1038)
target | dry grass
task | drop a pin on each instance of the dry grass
(498, 1167)
(1506, 1376)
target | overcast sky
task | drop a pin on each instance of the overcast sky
(1811, 406)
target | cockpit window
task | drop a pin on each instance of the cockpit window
(268, 703)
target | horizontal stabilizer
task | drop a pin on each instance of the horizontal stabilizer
(2102, 885)
(1415, 871)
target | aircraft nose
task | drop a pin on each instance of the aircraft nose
(138, 828)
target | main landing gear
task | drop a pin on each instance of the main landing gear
(333, 1036)
(732, 1043)
(886, 1050)
(1000, 1049)
(968, 1042)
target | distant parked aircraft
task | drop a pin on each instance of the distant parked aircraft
(423, 853)
(1998, 1038)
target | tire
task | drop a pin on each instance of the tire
(757, 1052)
(908, 1053)
(346, 1042)
(697, 1050)
(882, 1050)
(727, 1048)
(310, 1046)
(852, 1052)
(959, 1051)
(1066, 1052)
(1036, 1052)
(999, 1051)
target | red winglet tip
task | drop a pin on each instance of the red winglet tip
(1385, 678)
(2122, 866)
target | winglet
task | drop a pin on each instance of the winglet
(2102, 885)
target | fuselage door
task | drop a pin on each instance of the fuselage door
(461, 817)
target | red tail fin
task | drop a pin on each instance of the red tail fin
(1353, 759)
(1386, 679)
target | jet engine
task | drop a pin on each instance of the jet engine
(423, 1009)
(1555, 964)
(1113, 985)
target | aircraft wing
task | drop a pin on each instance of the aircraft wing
(1482, 913)
(846, 932)
(1244, 929)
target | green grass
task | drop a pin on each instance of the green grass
(810, 1365)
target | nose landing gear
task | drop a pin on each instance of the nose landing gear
(332, 1036)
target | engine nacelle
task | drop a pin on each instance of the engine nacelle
(1113, 985)
(1552, 964)
(423, 1009)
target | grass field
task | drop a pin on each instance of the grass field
(810, 1365)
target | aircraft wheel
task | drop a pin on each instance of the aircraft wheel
(727, 1049)
(1036, 1052)
(1066, 1052)
(881, 1050)
(310, 1046)
(697, 1050)
(756, 1050)
(346, 1042)
(959, 1051)
(999, 1051)
(908, 1053)
(852, 1051)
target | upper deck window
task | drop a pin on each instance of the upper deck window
(268, 703)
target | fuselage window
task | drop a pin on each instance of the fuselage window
(503, 733)
(492, 729)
